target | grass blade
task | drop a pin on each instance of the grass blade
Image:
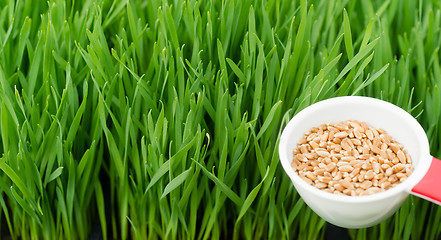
(176, 182)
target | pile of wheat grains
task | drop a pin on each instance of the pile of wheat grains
(351, 158)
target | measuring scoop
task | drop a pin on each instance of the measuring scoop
(364, 211)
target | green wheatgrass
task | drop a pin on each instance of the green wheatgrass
(161, 119)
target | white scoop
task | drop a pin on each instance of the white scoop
(364, 211)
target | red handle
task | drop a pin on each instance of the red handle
(429, 187)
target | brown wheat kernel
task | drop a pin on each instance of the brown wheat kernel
(366, 150)
(302, 141)
(354, 124)
(345, 145)
(354, 162)
(390, 154)
(356, 141)
(337, 176)
(323, 153)
(376, 167)
(401, 156)
(342, 163)
(407, 154)
(393, 178)
(379, 176)
(324, 179)
(342, 126)
(383, 153)
(399, 167)
(346, 184)
(355, 172)
(301, 167)
(365, 184)
(321, 185)
(375, 182)
(389, 172)
(351, 158)
(322, 165)
(364, 156)
(375, 149)
(357, 133)
(311, 176)
(376, 134)
(330, 167)
(341, 135)
(373, 190)
(310, 137)
(385, 137)
(364, 126)
(315, 163)
(327, 190)
(384, 166)
(349, 141)
(308, 168)
(314, 145)
(327, 160)
(401, 175)
(370, 134)
(339, 187)
(319, 171)
(346, 168)
(376, 142)
(324, 137)
(385, 185)
(361, 176)
(369, 175)
(347, 192)
(303, 148)
(394, 147)
(367, 166)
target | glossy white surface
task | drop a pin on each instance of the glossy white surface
(361, 211)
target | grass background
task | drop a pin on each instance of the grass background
(161, 119)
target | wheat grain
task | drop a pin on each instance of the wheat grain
(351, 158)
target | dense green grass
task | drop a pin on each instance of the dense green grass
(161, 119)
